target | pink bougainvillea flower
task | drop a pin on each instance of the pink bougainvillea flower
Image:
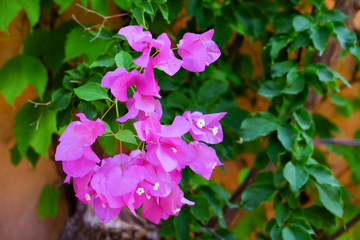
(166, 59)
(205, 128)
(205, 159)
(140, 107)
(75, 146)
(104, 212)
(198, 51)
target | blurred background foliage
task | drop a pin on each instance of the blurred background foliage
(284, 78)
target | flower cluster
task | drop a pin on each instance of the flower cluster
(149, 176)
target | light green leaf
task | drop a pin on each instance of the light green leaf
(296, 175)
(138, 13)
(79, 42)
(295, 82)
(301, 23)
(320, 38)
(258, 124)
(323, 72)
(303, 118)
(91, 92)
(201, 210)
(123, 59)
(126, 136)
(281, 68)
(330, 197)
(146, 6)
(338, 76)
(32, 9)
(277, 44)
(8, 11)
(346, 38)
(295, 233)
(64, 4)
(287, 136)
(256, 194)
(18, 72)
(164, 11)
(100, 6)
(105, 60)
(48, 202)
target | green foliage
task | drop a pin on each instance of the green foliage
(66, 63)
(48, 202)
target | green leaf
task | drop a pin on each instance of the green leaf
(64, 4)
(330, 197)
(256, 194)
(8, 11)
(25, 69)
(278, 43)
(79, 42)
(346, 38)
(64, 118)
(282, 213)
(281, 68)
(26, 132)
(15, 155)
(178, 100)
(338, 76)
(201, 210)
(105, 60)
(108, 144)
(234, 117)
(123, 59)
(261, 160)
(126, 136)
(88, 109)
(164, 11)
(91, 92)
(295, 233)
(32, 9)
(322, 174)
(138, 13)
(247, 224)
(32, 156)
(48, 202)
(303, 118)
(301, 23)
(182, 225)
(323, 72)
(296, 175)
(258, 124)
(320, 38)
(331, 15)
(60, 99)
(343, 106)
(320, 217)
(295, 82)
(317, 3)
(303, 224)
(211, 89)
(269, 89)
(324, 127)
(100, 6)
(287, 136)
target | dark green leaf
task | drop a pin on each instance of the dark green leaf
(164, 11)
(320, 217)
(296, 175)
(201, 210)
(258, 124)
(60, 99)
(126, 136)
(338, 76)
(269, 89)
(324, 127)
(138, 13)
(182, 225)
(25, 69)
(295, 233)
(91, 92)
(302, 223)
(178, 100)
(15, 155)
(287, 136)
(323, 72)
(346, 38)
(48, 202)
(256, 194)
(234, 117)
(64, 118)
(331, 198)
(344, 106)
(331, 15)
(32, 156)
(210, 89)
(261, 160)
(278, 43)
(282, 213)
(88, 109)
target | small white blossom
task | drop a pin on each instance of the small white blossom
(200, 123)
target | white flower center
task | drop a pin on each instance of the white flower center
(200, 123)
(174, 149)
(156, 186)
(147, 196)
(215, 130)
(177, 210)
(147, 114)
(140, 191)
(103, 205)
(87, 197)
(214, 165)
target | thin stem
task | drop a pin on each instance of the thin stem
(39, 104)
(108, 109)
(117, 109)
(345, 228)
(349, 142)
(38, 121)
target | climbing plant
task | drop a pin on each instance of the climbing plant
(67, 65)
